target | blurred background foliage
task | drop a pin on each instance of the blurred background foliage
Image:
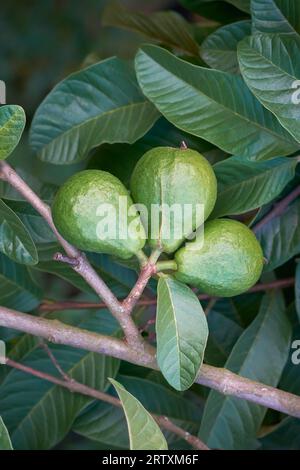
(43, 41)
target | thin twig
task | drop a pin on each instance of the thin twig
(278, 209)
(53, 306)
(81, 265)
(183, 145)
(54, 361)
(194, 441)
(73, 386)
(65, 259)
(210, 305)
(219, 379)
(147, 271)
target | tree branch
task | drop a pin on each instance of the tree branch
(80, 263)
(216, 378)
(147, 271)
(73, 386)
(278, 208)
(52, 358)
(51, 306)
(57, 332)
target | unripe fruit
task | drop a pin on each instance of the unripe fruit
(82, 203)
(172, 176)
(229, 262)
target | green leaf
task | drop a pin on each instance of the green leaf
(181, 331)
(275, 16)
(232, 423)
(290, 379)
(45, 413)
(101, 103)
(17, 288)
(270, 71)
(167, 27)
(64, 272)
(144, 433)
(280, 237)
(120, 159)
(15, 240)
(12, 123)
(219, 50)
(286, 436)
(33, 221)
(214, 105)
(244, 185)
(106, 423)
(5, 443)
(116, 276)
(223, 334)
(44, 190)
(297, 293)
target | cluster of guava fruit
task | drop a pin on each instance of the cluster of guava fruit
(226, 261)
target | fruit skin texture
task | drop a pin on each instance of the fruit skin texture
(75, 213)
(229, 263)
(166, 175)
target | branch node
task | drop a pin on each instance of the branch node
(183, 145)
(74, 262)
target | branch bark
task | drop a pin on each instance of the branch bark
(216, 378)
(278, 209)
(147, 271)
(50, 306)
(77, 387)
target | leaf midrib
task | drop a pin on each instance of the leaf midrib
(87, 121)
(226, 398)
(257, 177)
(269, 61)
(242, 117)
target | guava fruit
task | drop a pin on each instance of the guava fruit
(93, 211)
(179, 181)
(229, 262)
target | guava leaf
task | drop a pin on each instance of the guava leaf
(297, 293)
(101, 103)
(12, 123)
(144, 432)
(275, 16)
(46, 407)
(211, 104)
(244, 185)
(229, 422)
(181, 331)
(280, 237)
(166, 27)
(270, 71)
(5, 442)
(107, 424)
(18, 290)
(219, 49)
(15, 240)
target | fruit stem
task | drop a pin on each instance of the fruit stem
(183, 145)
(143, 260)
(166, 265)
(155, 255)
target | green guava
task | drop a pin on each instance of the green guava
(180, 182)
(88, 212)
(229, 262)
